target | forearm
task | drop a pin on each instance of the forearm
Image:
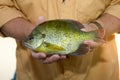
(110, 23)
(18, 28)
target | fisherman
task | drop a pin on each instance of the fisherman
(19, 17)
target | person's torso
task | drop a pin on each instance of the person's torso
(81, 10)
(94, 66)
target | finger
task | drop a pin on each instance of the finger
(40, 20)
(38, 55)
(63, 57)
(51, 59)
(88, 28)
(92, 44)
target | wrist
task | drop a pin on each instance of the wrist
(97, 24)
(100, 29)
(110, 23)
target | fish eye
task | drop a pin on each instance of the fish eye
(31, 37)
(43, 35)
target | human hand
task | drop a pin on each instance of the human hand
(48, 59)
(90, 45)
(42, 56)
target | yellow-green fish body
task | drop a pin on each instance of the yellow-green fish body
(58, 37)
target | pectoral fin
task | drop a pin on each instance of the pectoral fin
(49, 48)
(53, 47)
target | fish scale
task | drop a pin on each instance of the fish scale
(60, 37)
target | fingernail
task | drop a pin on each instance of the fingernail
(82, 29)
(45, 62)
(86, 42)
(41, 18)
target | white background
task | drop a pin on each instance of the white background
(118, 46)
(7, 58)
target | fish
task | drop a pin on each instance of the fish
(59, 36)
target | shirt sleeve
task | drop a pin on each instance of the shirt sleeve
(8, 11)
(114, 8)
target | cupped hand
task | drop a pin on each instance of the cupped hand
(99, 37)
(48, 59)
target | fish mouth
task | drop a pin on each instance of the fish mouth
(28, 45)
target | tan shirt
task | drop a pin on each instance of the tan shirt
(100, 65)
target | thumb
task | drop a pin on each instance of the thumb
(40, 20)
(88, 28)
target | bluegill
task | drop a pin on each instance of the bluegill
(58, 37)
